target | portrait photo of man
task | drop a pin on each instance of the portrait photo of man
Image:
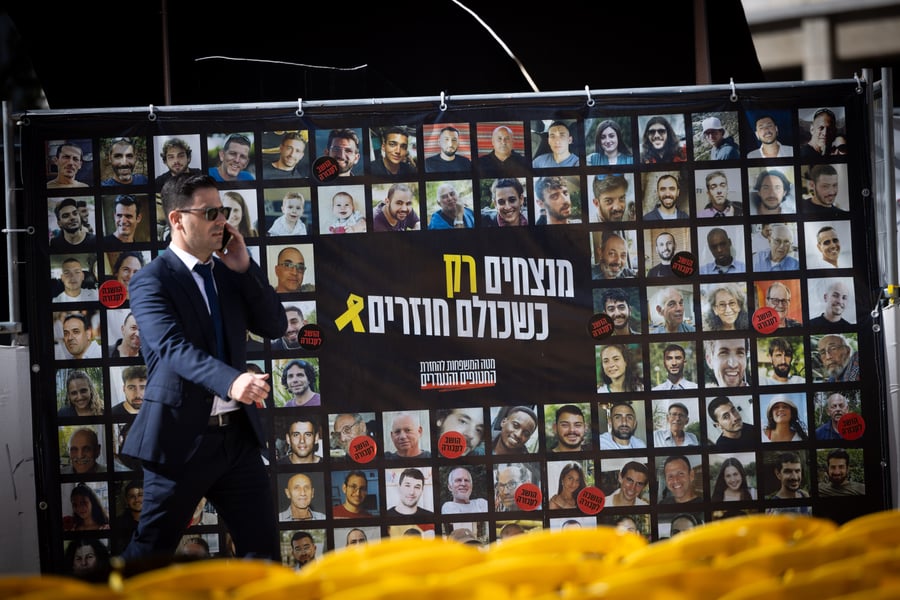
(775, 357)
(466, 421)
(447, 148)
(346, 427)
(674, 365)
(771, 190)
(671, 423)
(501, 149)
(844, 470)
(409, 492)
(727, 362)
(730, 424)
(301, 442)
(784, 297)
(612, 198)
(829, 244)
(464, 489)
(622, 305)
(771, 128)
(345, 146)
(175, 155)
(825, 193)
(395, 207)
(835, 357)
(671, 309)
(664, 196)
(557, 200)
(231, 156)
(832, 302)
(69, 232)
(299, 502)
(781, 255)
(723, 250)
(66, 159)
(407, 434)
(394, 151)
(553, 144)
(289, 158)
(123, 161)
(719, 193)
(716, 136)
(123, 219)
(830, 408)
(614, 254)
(660, 247)
(623, 425)
(567, 427)
(292, 268)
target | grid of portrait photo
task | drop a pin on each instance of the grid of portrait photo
(721, 246)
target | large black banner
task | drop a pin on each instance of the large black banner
(649, 309)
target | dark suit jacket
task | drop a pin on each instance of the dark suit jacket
(178, 344)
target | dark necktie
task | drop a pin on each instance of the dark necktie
(214, 311)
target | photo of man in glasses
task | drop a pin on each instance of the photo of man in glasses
(290, 268)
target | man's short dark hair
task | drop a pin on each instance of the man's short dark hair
(819, 170)
(64, 203)
(553, 182)
(175, 143)
(134, 372)
(355, 473)
(674, 348)
(785, 182)
(839, 454)
(123, 255)
(80, 317)
(307, 367)
(781, 344)
(604, 183)
(292, 308)
(128, 200)
(412, 473)
(633, 465)
(299, 535)
(676, 457)
(569, 408)
(614, 295)
(715, 403)
(785, 458)
(178, 191)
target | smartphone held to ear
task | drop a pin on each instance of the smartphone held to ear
(226, 237)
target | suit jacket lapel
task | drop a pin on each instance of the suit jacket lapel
(183, 279)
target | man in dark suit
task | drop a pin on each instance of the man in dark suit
(199, 433)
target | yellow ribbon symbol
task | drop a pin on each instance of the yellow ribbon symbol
(355, 305)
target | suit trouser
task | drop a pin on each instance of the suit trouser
(228, 470)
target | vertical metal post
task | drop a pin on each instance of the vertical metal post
(12, 327)
(702, 74)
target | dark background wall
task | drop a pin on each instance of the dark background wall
(95, 55)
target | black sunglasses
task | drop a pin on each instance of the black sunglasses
(212, 213)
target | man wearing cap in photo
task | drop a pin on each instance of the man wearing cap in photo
(674, 434)
(723, 146)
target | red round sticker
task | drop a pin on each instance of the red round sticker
(684, 264)
(310, 337)
(452, 444)
(362, 449)
(528, 496)
(765, 320)
(591, 500)
(851, 426)
(112, 294)
(600, 326)
(325, 169)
